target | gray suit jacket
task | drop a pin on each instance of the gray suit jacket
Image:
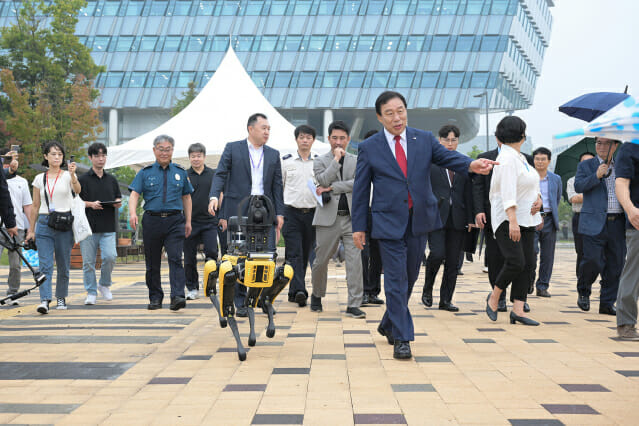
(327, 175)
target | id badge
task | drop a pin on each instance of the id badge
(51, 207)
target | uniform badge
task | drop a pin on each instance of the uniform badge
(177, 177)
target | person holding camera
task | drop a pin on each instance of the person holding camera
(52, 222)
(335, 173)
(21, 200)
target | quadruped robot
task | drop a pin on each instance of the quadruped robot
(250, 263)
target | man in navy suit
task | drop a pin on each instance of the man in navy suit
(248, 167)
(546, 234)
(403, 210)
(602, 224)
(454, 198)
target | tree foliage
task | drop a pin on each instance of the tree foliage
(474, 152)
(185, 100)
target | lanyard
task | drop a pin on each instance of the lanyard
(54, 183)
(259, 162)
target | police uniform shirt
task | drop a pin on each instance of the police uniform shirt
(200, 197)
(162, 189)
(295, 175)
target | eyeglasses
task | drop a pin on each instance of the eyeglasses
(599, 143)
(455, 140)
(165, 149)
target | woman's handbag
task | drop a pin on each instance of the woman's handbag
(60, 221)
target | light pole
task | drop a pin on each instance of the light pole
(484, 94)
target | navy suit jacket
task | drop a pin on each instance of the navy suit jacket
(461, 208)
(595, 207)
(554, 195)
(376, 165)
(233, 178)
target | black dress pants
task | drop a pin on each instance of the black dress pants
(299, 235)
(371, 267)
(493, 256)
(519, 260)
(445, 246)
(579, 242)
(201, 233)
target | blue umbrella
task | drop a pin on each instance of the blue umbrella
(592, 105)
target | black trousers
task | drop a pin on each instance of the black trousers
(519, 260)
(493, 256)
(202, 233)
(604, 254)
(299, 235)
(371, 267)
(167, 232)
(579, 242)
(445, 247)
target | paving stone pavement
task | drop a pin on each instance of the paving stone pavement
(116, 363)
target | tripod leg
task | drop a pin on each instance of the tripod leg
(270, 328)
(241, 352)
(251, 318)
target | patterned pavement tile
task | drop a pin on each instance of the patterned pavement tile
(569, 409)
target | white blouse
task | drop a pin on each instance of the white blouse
(514, 183)
(62, 192)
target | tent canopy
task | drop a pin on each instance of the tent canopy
(218, 115)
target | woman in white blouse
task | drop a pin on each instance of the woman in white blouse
(515, 201)
(59, 186)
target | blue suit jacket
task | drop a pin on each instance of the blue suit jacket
(389, 209)
(554, 195)
(595, 207)
(233, 178)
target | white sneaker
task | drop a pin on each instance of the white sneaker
(43, 307)
(485, 269)
(105, 292)
(192, 295)
(90, 300)
(62, 304)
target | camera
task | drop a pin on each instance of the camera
(30, 245)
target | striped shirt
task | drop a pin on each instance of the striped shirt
(613, 203)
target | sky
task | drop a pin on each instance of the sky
(594, 47)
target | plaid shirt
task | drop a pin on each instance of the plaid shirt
(613, 203)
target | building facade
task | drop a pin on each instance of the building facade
(318, 60)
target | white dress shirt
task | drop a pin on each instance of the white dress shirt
(257, 168)
(514, 184)
(391, 142)
(295, 175)
(570, 191)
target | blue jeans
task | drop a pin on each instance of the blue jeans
(89, 247)
(50, 241)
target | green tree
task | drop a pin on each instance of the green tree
(185, 100)
(474, 152)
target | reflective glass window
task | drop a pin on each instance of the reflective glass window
(230, 8)
(101, 43)
(489, 43)
(474, 7)
(455, 79)
(400, 7)
(85, 41)
(302, 7)
(162, 79)
(85, 11)
(193, 43)
(414, 43)
(355, 79)
(268, 43)
(134, 8)
(292, 43)
(182, 8)
(429, 79)
(219, 44)
(184, 78)
(380, 79)
(259, 78)
(282, 79)
(405, 79)
(365, 43)
(499, 7)
(172, 44)
(440, 43)
(111, 8)
(449, 7)
(390, 43)
(341, 43)
(317, 42)
(351, 7)
(206, 8)
(465, 43)
(137, 79)
(377, 7)
(148, 43)
(326, 7)
(113, 79)
(278, 7)
(307, 79)
(425, 7)
(158, 8)
(243, 43)
(331, 79)
(206, 76)
(123, 44)
(254, 7)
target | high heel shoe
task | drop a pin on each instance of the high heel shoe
(524, 320)
(491, 314)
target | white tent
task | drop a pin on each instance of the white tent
(216, 116)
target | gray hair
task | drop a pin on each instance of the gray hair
(197, 147)
(163, 138)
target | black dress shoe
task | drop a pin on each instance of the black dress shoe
(531, 287)
(154, 304)
(316, 304)
(365, 299)
(448, 307)
(607, 310)
(178, 303)
(291, 298)
(526, 307)
(387, 334)
(374, 300)
(543, 293)
(427, 300)
(584, 303)
(501, 307)
(460, 272)
(524, 320)
(491, 314)
(402, 350)
(241, 312)
(300, 299)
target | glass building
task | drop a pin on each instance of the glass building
(318, 60)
